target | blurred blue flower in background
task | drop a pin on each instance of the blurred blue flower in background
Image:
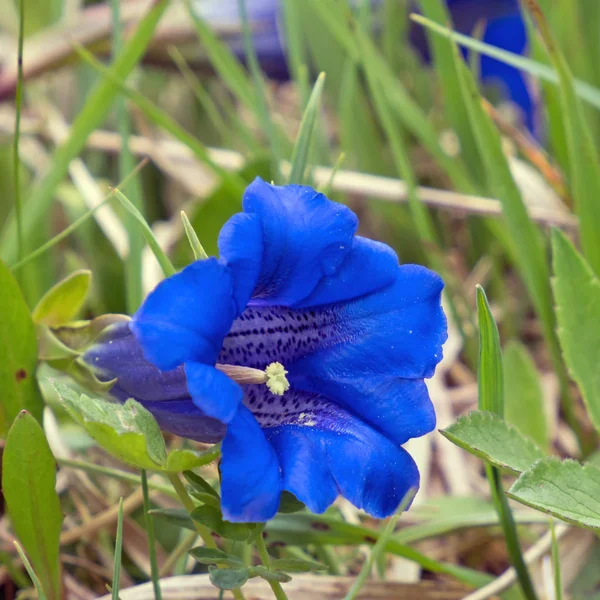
(297, 292)
(504, 28)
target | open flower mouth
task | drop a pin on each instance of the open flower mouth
(354, 335)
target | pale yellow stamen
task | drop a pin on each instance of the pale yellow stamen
(276, 379)
(274, 376)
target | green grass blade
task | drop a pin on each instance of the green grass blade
(60, 236)
(584, 90)
(260, 93)
(491, 398)
(558, 588)
(218, 121)
(16, 157)
(227, 66)
(362, 50)
(379, 547)
(454, 107)
(159, 117)
(34, 578)
(305, 133)
(133, 263)
(149, 522)
(583, 154)
(490, 376)
(118, 552)
(163, 260)
(531, 253)
(197, 249)
(89, 118)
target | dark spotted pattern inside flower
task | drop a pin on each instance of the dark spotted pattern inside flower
(262, 335)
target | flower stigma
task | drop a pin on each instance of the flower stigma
(276, 379)
(274, 376)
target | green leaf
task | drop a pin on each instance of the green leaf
(63, 301)
(295, 565)
(307, 125)
(228, 579)
(577, 296)
(98, 103)
(565, 489)
(207, 499)
(199, 484)
(19, 355)
(28, 483)
(523, 395)
(127, 431)
(213, 556)
(490, 378)
(487, 436)
(268, 575)
(212, 518)
(183, 460)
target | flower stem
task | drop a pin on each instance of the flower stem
(188, 503)
(151, 541)
(203, 532)
(266, 561)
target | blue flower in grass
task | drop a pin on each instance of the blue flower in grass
(295, 291)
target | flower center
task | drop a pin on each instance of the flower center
(265, 336)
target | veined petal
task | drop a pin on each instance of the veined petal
(215, 394)
(250, 473)
(187, 316)
(398, 331)
(368, 267)
(305, 236)
(368, 470)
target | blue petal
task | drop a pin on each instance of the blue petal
(215, 394)
(305, 237)
(250, 474)
(370, 266)
(187, 316)
(118, 355)
(305, 473)
(399, 408)
(241, 247)
(182, 418)
(370, 471)
(398, 331)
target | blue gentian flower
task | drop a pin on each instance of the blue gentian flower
(294, 289)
